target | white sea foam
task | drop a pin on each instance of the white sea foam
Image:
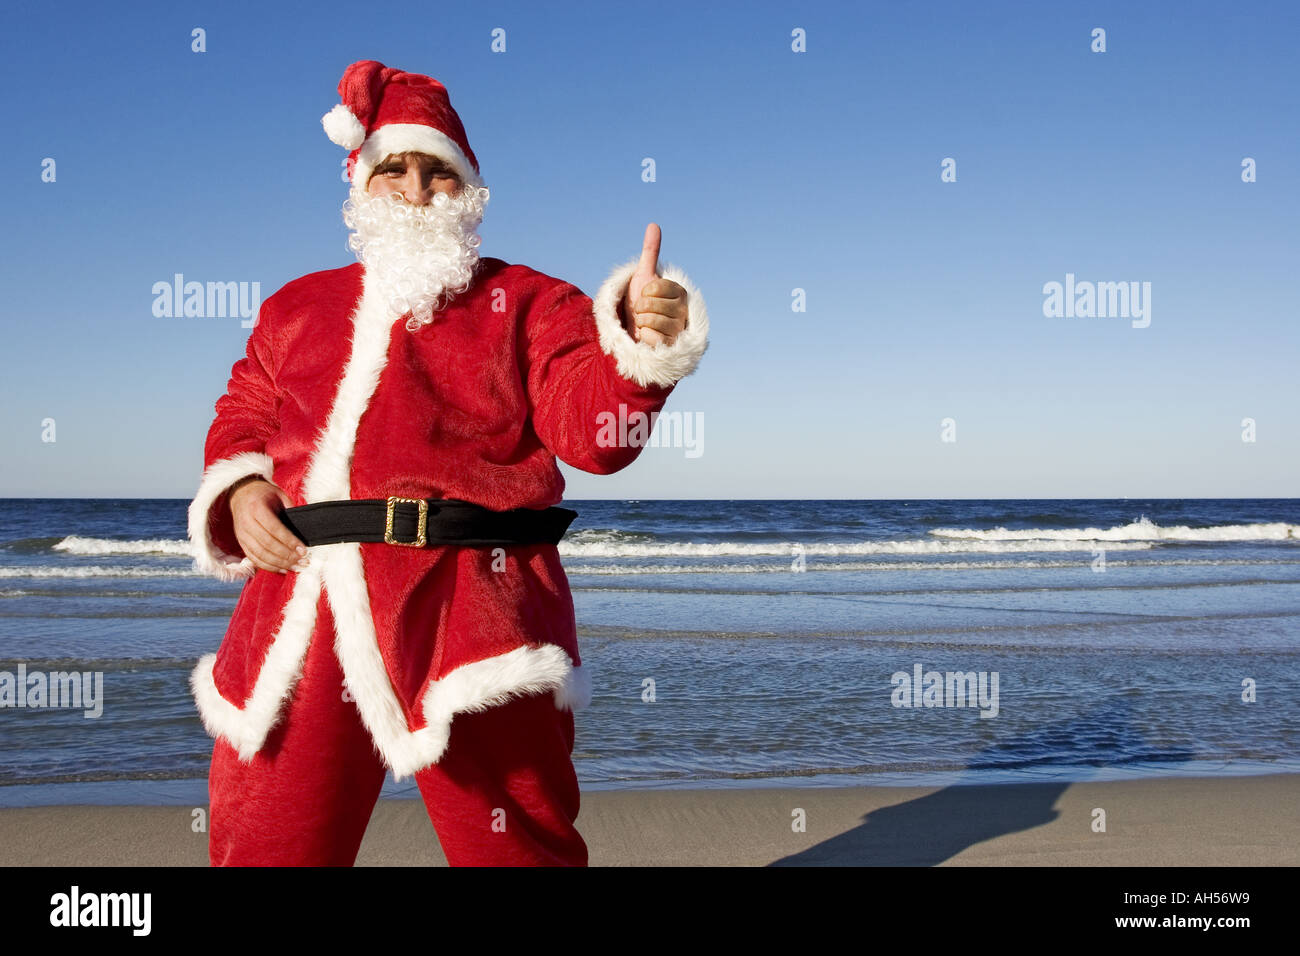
(784, 566)
(1144, 529)
(75, 544)
(597, 535)
(598, 543)
(96, 571)
(684, 549)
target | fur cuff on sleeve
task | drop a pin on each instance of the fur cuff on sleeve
(641, 362)
(219, 476)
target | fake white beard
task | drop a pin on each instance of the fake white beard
(416, 257)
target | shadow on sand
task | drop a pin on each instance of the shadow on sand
(930, 829)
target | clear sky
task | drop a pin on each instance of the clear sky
(776, 171)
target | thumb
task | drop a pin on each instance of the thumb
(646, 270)
(648, 267)
(284, 497)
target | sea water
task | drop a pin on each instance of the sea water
(748, 643)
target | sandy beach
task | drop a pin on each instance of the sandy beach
(1153, 822)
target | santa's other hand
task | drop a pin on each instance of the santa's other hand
(266, 541)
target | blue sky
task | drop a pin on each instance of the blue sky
(776, 171)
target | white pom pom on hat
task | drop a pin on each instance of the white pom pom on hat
(343, 128)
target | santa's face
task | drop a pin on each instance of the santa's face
(415, 230)
(417, 176)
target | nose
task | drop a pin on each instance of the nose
(414, 189)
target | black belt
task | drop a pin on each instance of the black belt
(417, 522)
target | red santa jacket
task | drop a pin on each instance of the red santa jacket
(336, 399)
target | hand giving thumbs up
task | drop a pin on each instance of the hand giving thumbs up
(654, 309)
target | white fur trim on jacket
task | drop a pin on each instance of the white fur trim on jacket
(219, 476)
(245, 728)
(642, 362)
(338, 571)
(471, 687)
(411, 138)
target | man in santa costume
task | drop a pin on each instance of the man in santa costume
(381, 474)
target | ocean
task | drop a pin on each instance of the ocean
(745, 643)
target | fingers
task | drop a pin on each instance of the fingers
(661, 288)
(658, 305)
(277, 539)
(660, 314)
(268, 542)
(669, 325)
(269, 554)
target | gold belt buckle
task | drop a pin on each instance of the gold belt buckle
(423, 523)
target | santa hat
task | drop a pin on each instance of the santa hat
(388, 111)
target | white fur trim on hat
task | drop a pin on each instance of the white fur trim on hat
(411, 138)
(343, 128)
(642, 362)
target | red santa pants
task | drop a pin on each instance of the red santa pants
(504, 793)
